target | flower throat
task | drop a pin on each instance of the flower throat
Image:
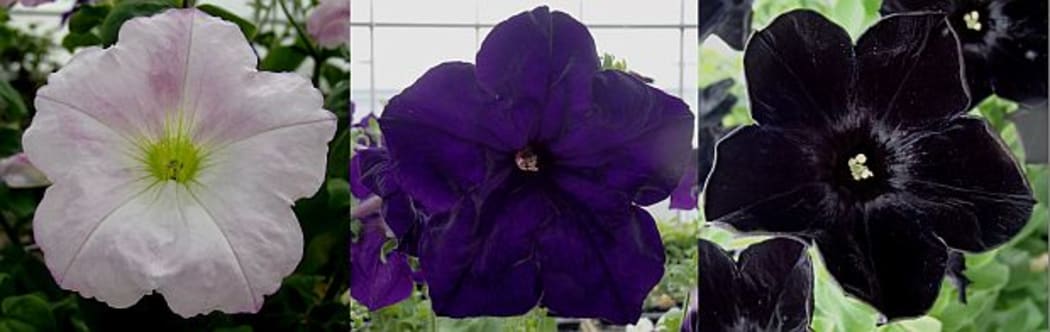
(173, 157)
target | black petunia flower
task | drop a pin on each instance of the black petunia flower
(1003, 41)
(867, 151)
(769, 288)
(728, 19)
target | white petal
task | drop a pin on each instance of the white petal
(18, 172)
(107, 239)
(243, 244)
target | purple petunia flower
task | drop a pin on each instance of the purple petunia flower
(867, 151)
(528, 172)
(377, 279)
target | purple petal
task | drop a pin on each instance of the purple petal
(375, 283)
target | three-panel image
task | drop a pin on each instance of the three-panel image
(524, 165)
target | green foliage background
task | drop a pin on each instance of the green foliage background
(313, 298)
(1009, 289)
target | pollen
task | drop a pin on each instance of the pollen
(527, 160)
(858, 169)
(972, 20)
(173, 156)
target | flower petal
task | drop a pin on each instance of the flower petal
(479, 260)
(1017, 60)
(686, 195)
(377, 282)
(329, 23)
(990, 191)
(764, 180)
(600, 266)
(102, 237)
(884, 257)
(540, 63)
(909, 70)
(17, 172)
(635, 140)
(779, 275)
(798, 70)
(718, 289)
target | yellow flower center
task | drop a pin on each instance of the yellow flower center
(174, 156)
(973, 20)
(858, 169)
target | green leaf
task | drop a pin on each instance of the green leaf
(30, 309)
(87, 17)
(1025, 316)
(11, 101)
(283, 58)
(247, 27)
(338, 193)
(922, 324)
(127, 10)
(73, 40)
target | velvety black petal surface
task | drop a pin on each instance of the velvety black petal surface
(770, 288)
(1017, 50)
(767, 179)
(884, 257)
(798, 71)
(909, 70)
(966, 169)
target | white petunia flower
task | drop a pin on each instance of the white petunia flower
(175, 164)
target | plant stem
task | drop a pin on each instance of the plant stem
(299, 30)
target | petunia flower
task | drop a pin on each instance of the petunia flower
(17, 172)
(769, 288)
(530, 170)
(377, 278)
(27, 3)
(730, 20)
(1003, 43)
(175, 164)
(329, 23)
(867, 151)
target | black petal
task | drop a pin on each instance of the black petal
(798, 70)
(1017, 46)
(903, 6)
(769, 289)
(964, 172)
(780, 275)
(717, 295)
(768, 179)
(909, 70)
(886, 259)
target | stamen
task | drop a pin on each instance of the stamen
(857, 169)
(973, 20)
(527, 160)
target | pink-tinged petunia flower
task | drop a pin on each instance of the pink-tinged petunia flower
(17, 172)
(175, 164)
(27, 3)
(329, 23)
